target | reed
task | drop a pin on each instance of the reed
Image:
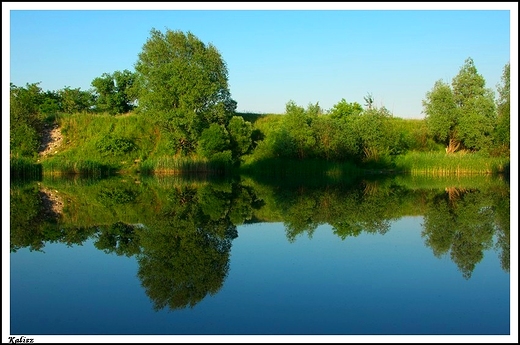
(22, 167)
(455, 164)
(81, 167)
(183, 165)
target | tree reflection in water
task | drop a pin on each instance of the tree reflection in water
(181, 232)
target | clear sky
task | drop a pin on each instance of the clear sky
(275, 53)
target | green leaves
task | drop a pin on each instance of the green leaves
(503, 136)
(343, 109)
(115, 92)
(240, 132)
(463, 113)
(115, 145)
(26, 120)
(441, 112)
(179, 73)
(214, 141)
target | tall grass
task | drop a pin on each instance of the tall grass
(442, 164)
(81, 167)
(183, 165)
(101, 144)
(22, 167)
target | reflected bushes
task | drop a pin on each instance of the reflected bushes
(181, 231)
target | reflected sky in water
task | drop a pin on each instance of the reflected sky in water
(369, 284)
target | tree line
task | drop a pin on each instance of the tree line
(181, 85)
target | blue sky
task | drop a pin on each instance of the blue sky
(275, 53)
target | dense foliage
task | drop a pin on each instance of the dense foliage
(183, 84)
(503, 127)
(115, 93)
(463, 115)
(25, 120)
(182, 111)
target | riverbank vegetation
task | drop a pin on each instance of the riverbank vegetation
(136, 123)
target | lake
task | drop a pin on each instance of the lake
(401, 255)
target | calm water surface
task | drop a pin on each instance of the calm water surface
(285, 266)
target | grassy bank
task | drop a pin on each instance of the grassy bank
(101, 145)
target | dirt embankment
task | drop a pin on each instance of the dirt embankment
(51, 140)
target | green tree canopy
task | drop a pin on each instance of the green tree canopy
(26, 121)
(441, 113)
(213, 140)
(114, 92)
(463, 114)
(296, 137)
(184, 84)
(75, 100)
(374, 133)
(240, 132)
(343, 109)
(503, 135)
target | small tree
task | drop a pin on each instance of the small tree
(374, 133)
(26, 121)
(104, 87)
(343, 109)
(214, 142)
(113, 92)
(240, 132)
(50, 105)
(75, 100)
(297, 126)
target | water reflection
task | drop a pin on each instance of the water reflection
(462, 222)
(181, 231)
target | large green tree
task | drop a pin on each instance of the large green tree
(477, 107)
(183, 83)
(463, 114)
(503, 128)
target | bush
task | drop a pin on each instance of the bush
(213, 140)
(115, 145)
